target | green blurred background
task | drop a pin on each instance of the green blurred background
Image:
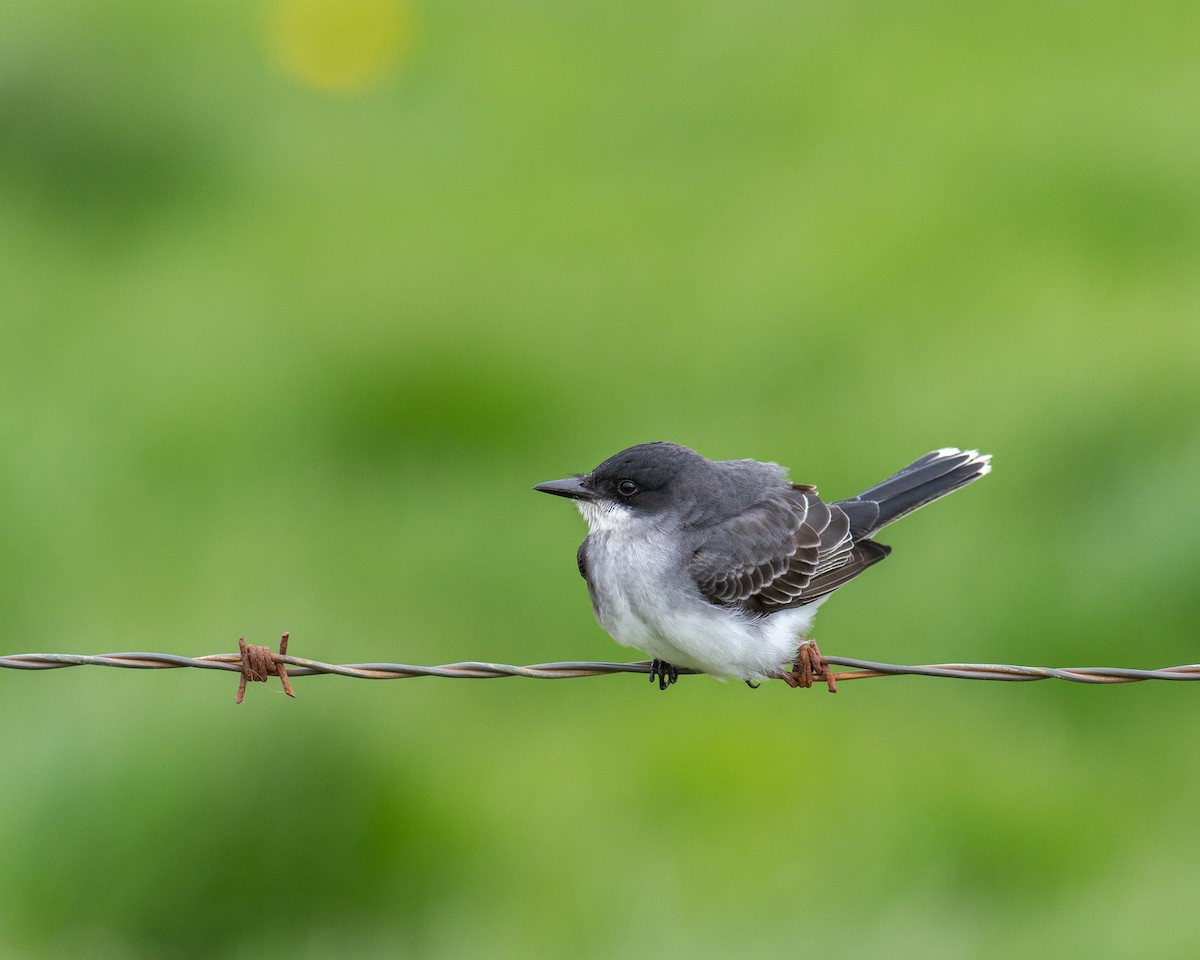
(298, 300)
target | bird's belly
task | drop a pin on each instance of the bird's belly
(668, 618)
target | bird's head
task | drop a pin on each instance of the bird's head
(647, 479)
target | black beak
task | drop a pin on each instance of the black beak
(572, 487)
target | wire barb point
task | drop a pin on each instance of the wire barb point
(808, 667)
(259, 663)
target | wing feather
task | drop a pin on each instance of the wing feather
(787, 550)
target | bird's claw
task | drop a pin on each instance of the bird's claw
(665, 673)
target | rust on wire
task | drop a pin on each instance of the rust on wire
(810, 666)
(258, 663)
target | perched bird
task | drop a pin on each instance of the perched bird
(720, 566)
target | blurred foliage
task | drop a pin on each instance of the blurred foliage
(297, 300)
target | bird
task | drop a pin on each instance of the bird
(719, 566)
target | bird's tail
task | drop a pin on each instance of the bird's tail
(922, 481)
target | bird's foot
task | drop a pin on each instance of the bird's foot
(663, 672)
(808, 666)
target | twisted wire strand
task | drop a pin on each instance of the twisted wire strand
(482, 670)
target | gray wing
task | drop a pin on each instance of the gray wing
(581, 558)
(785, 551)
(582, 562)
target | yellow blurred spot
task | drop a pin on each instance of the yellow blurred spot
(340, 45)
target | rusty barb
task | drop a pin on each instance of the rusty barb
(258, 664)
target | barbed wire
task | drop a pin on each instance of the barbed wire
(257, 663)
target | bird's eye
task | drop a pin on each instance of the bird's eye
(627, 488)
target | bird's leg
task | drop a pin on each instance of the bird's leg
(808, 666)
(663, 672)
